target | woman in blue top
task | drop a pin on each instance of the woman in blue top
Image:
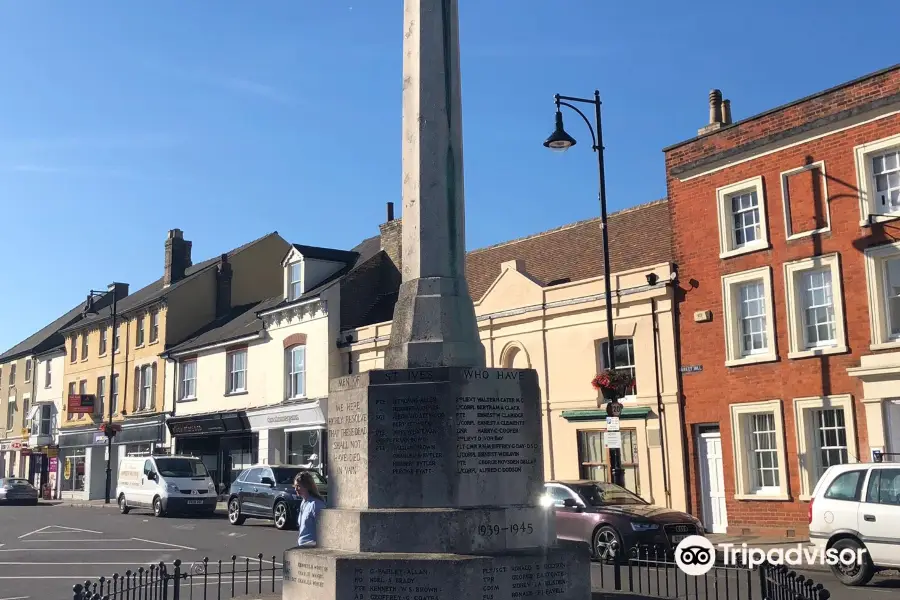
(310, 508)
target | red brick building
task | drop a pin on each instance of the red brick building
(786, 228)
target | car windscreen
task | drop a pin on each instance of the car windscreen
(180, 467)
(605, 494)
(285, 475)
(14, 482)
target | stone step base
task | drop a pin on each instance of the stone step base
(437, 530)
(556, 573)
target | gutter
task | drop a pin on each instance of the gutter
(174, 353)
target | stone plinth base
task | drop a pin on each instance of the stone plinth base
(435, 438)
(431, 530)
(554, 573)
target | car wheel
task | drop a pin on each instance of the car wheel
(606, 544)
(123, 506)
(234, 512)
(158, 507)
(855, 574)
(282, 516)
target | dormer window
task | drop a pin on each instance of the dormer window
(295, 288)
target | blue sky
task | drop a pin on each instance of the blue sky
(230, 119)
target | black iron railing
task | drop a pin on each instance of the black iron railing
(203, 579)
(652, 572)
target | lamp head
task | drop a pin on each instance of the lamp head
(559, 140)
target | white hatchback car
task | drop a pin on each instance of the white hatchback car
(857, 506)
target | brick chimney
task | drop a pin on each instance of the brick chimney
(178, 257)
(223, 287)
(717, 113)
(392, 237)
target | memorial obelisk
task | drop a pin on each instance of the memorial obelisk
(435, 463)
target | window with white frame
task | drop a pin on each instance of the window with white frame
(883, 276)
(296, 371)
(878, 178)
(295, 285)
(826, 433)
(759, 454)
(139, 334)
(48, 373)
(71, 393)
(28, 368)
(145, 394)
(116, 340)
(236, 361)
(154, 326)
(12, 374)
(188, 380)
(10, 412)
(623, 353)
(101, 394)
(74, 349)
(103, 335)
(114, 394)
(84, 346)
(814, 307)
(749, 330)
(45, 425)
(82, 390)
(742, 217)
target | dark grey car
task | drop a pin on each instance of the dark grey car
(267, 492)
(14, 490)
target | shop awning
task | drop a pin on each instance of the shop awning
(599, 414)
(209, 423)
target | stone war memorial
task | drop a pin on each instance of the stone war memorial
(435, 463)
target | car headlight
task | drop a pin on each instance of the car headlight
(2, 491)
(644, 526)
(211, 486)
(172, 488)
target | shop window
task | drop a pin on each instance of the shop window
(593, 456)
(296, 376)
(303, 448)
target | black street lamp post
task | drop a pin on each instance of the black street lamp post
(108, 430)
(561, 141)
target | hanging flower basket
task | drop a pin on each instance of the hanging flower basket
(613, 384)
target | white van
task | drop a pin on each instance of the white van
(165, 484)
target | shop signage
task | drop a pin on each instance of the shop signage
(80, 403)
(282, 417)
(13, 445)
(100, 438)
(210, 424)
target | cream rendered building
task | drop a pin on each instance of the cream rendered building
(540, 305)
(252, 387)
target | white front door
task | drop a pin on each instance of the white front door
(712, 482)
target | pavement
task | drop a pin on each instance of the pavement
(46, 549)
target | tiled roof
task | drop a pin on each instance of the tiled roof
(240, 321)
(157, 289)
(45, 339)
(639, 236)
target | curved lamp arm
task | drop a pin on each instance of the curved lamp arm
(586, 121)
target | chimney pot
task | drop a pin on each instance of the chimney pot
(726, 112)
(715, 106)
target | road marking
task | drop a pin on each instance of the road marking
(81, 550)
(45, 540)
(17, 598)
(265, 561)
(77, 564)
(43, 530)
(160, 543)
(75, 577)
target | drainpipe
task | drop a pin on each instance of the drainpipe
(551, 453)
(676, 312)
(659, 406)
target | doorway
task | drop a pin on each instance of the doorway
(712, 478)
(892, 417)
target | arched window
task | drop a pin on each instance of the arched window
(295, 358)
(514, 356)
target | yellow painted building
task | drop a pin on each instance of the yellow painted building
(121, 371)
(539, 304)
